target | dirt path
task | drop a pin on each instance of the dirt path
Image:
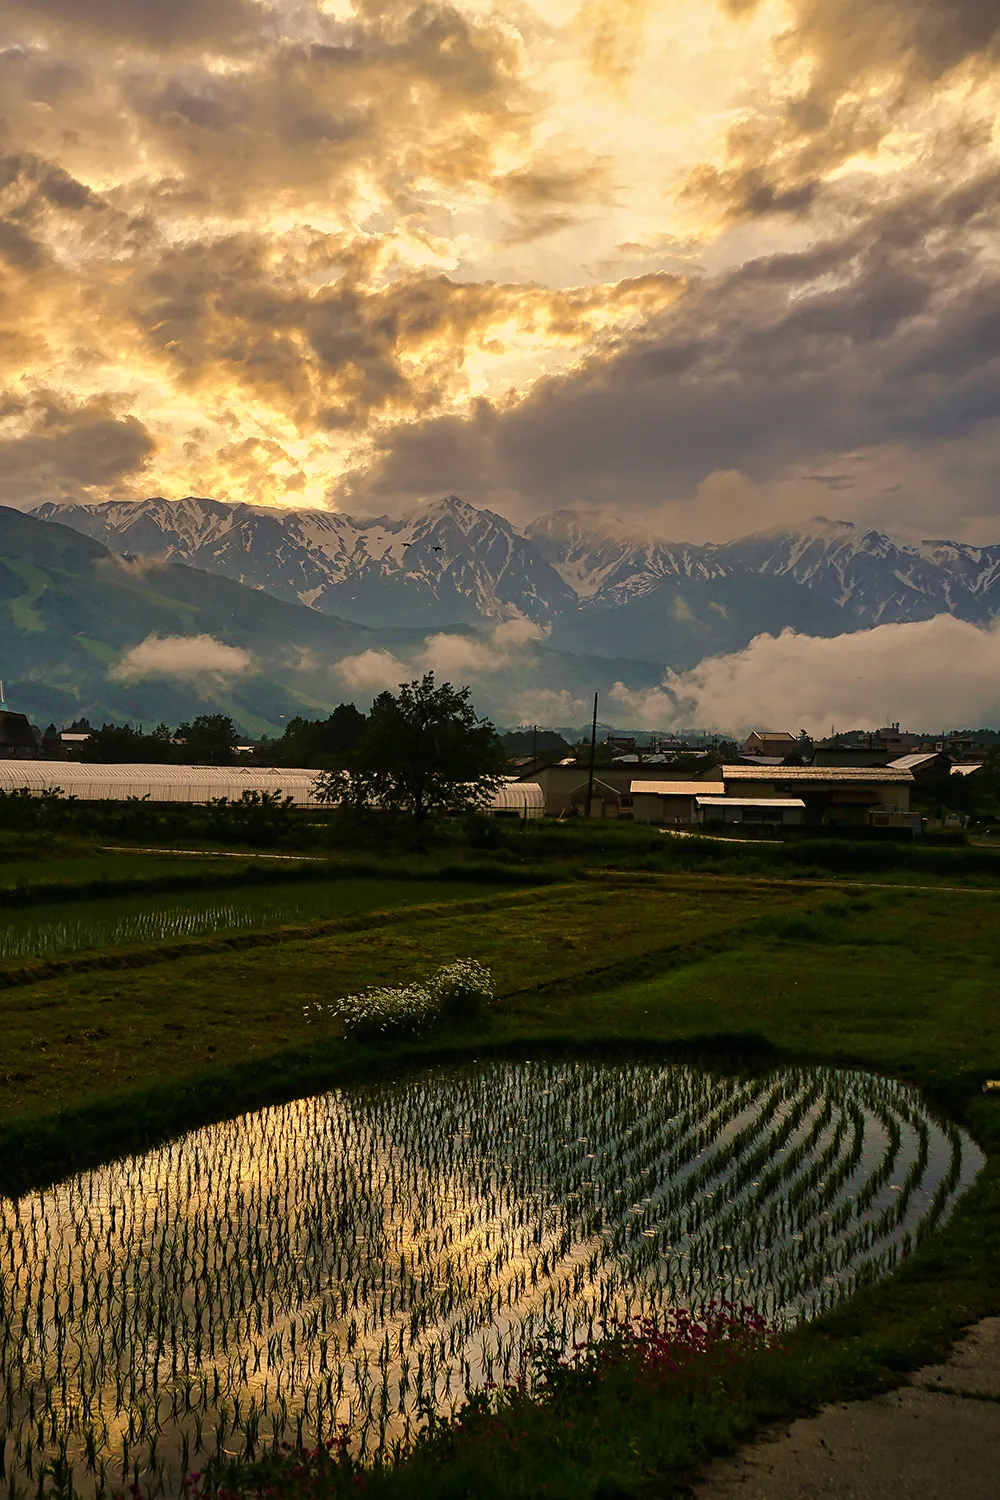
(936, 1439)
(210, 853)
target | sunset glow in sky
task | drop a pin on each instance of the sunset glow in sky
(709, 264)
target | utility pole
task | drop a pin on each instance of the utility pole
(534, 749)
(593, 752)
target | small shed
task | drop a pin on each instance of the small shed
(667, 802)
(517, 799)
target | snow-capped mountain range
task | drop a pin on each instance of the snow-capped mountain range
(593, 585)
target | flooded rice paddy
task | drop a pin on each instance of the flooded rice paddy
(357, 1256)
(115, 922)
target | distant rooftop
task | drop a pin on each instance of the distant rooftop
(767, 802)
(669, 788)
(862, 774)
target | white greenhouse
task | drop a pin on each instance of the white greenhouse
(93, 783)
(116, 783)
(518, 799)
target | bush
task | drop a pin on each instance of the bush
(462, 989)
(384, 1014)
(457, 992)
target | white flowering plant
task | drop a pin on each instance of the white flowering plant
(463, 989)
(458, 991)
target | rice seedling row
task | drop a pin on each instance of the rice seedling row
(37, 932)
(366, 1256)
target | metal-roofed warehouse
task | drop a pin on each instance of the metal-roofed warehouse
(834, 796)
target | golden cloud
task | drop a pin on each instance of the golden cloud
(248, 249)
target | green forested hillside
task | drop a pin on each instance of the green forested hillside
(70, 610)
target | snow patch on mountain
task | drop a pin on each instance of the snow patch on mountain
(588, 578)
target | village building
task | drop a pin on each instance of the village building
(18, 740)
(833, 797)
(774, 744)
(968, 747)
(895, 741)
(924, 765)
(564, 786)
(771, 812)
(865, 754)
(785, 797)
(668, 803)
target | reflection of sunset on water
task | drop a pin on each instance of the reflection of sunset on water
(353, 1257)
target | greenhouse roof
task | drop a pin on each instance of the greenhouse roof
(95, 783)
(518, 796)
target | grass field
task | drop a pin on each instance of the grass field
(90, 866)
(901, 981)
(70, 1039)
(41, 930)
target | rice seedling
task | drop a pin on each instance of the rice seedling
(69, 927)
(363, 1259)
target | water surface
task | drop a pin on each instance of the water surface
(353, 1256)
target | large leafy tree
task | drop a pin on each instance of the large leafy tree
(323, 743)
(423, 750)
(210, 738)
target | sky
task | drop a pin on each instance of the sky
(708, 264)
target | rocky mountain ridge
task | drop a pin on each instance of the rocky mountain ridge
(85, 630)
(591, 584)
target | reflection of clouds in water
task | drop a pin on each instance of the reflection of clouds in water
(350, 1256)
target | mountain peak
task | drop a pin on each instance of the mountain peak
(454, 505)
(817, 528)
(585, 574)
(826, 523)
(466, 518)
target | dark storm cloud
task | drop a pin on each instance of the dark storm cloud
(868, 59)
(29, 181)
(549, 196)
(18, 248)
(225, 311)
(889, 334)
(63, 448)
(157, 24)
(422, 91)
(918, 40)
